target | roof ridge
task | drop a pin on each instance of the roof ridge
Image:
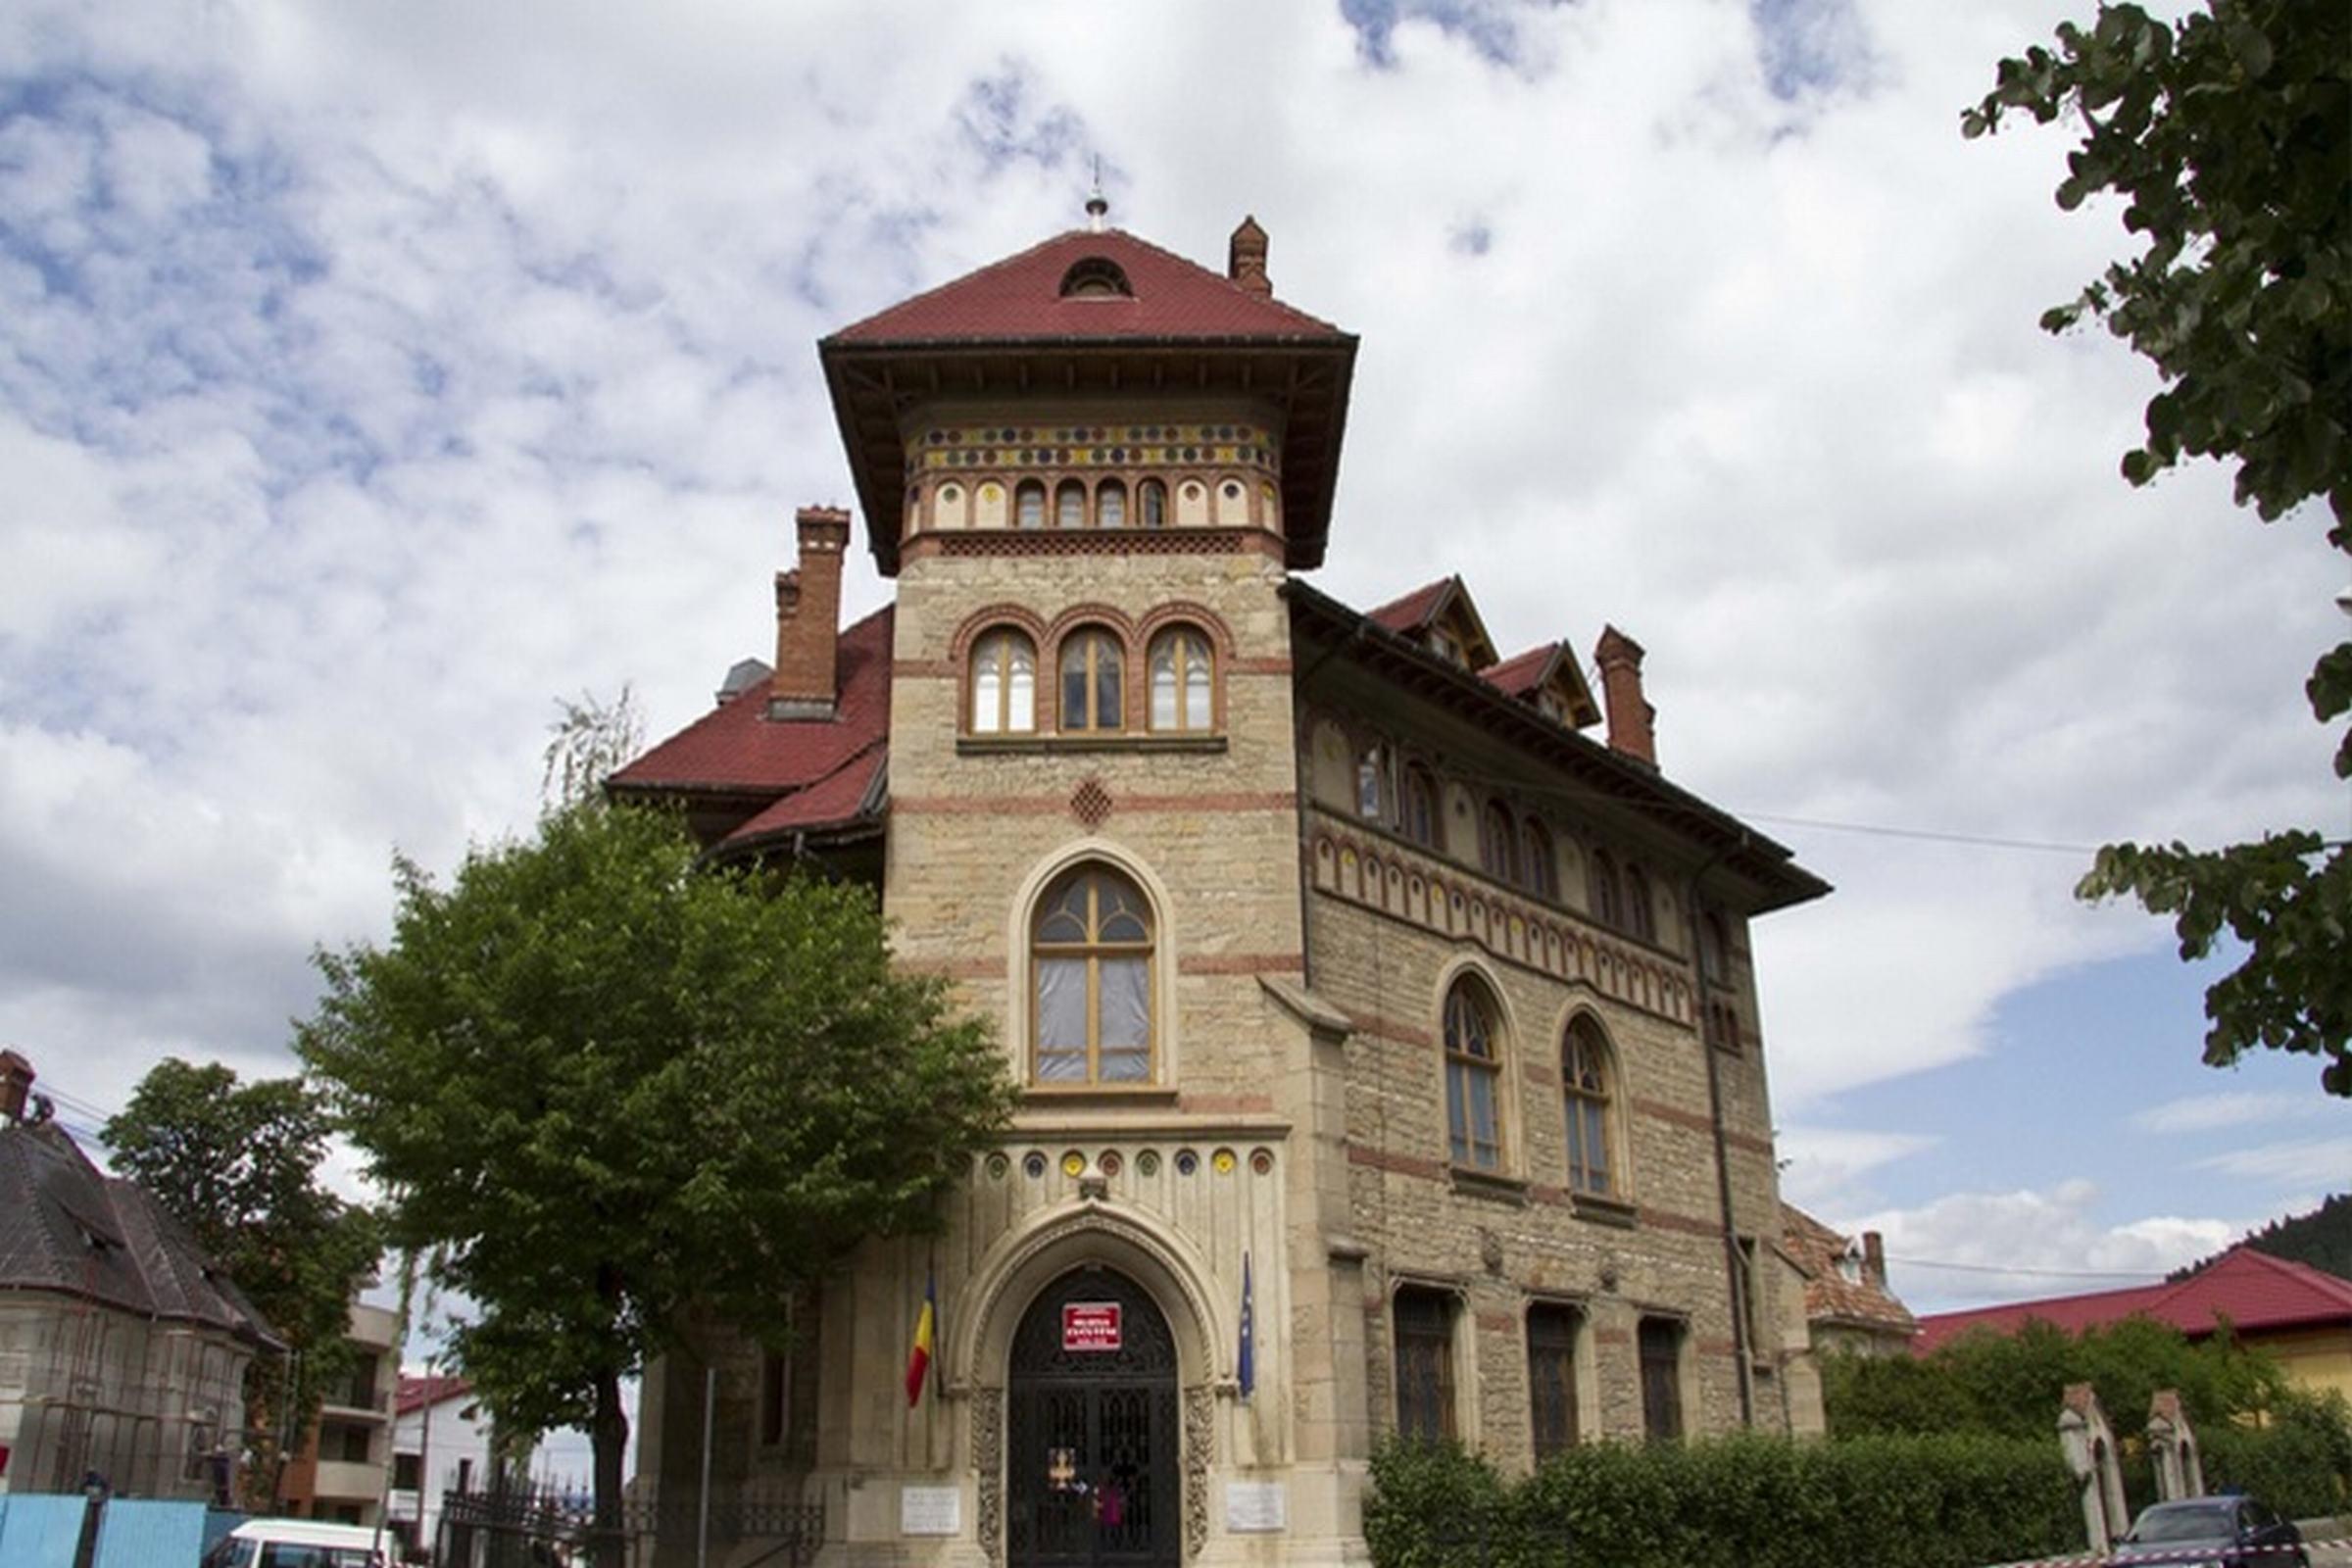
(1268, 298)
(960, 278)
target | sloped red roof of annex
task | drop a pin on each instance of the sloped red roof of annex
(415, 1393)
(2254, 1291)
(1817, 1251)
(736, 748)
(827, 803)
(1522, 673)
(1020, 298)
(1413, 611)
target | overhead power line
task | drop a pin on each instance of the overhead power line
(2141, 1276)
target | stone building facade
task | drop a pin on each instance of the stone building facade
(1360, 996)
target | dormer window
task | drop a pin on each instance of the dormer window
(1095, 277)
(1444, 644)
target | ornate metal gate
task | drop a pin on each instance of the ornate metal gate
(1093, 1433)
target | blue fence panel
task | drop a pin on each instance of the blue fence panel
(147, 1533)
(39, 1531)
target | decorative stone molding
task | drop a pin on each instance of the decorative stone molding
(988, 1455)
(1200, 1453)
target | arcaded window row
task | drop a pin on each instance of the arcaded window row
(1089, 680)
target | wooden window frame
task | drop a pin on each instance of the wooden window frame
(1660, 1368)
(1104, 492)
(1187, 641)
(1063, 493)
(1151, 502)
(1094, 951)
(1021, 493)
(1422, 1324)
(998, 643)
(1090, 642)
(1554, 1331)
(1473, 1035)
(1586, 1107)
(1418, 815)
(1539, 857)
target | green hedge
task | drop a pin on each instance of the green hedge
(2299, 1462)
(1752, 1501)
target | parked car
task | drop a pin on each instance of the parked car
(2231, 1531)
(299, 1543)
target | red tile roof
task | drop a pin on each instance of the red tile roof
(1820, 1253)
(839, 798)
(2254, 1291)
(1521, 674)
(736, 748)
(1415, 610)
(1020, 298)
(415, 1392)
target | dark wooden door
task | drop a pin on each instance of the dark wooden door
(1093, 1434)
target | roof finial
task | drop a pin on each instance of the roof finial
(1096, 206)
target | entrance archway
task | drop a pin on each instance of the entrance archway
(1092, 1429)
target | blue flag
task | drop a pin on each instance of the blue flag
(1249, 1355)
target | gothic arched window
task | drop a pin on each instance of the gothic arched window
(1584, 1061)
(1091, 961)
(1473, 1073)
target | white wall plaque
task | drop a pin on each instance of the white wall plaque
(1256, 1505)
(930, 1510)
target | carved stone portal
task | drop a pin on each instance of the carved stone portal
(988, 1455)
(1200, 1453)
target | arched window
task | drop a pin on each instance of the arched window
(1604, 898)
(1110, 505)
(1497, 845)
(1004, 684)
(1152, 498)
(1029, 505)
(1069, 505)
(1420, 814)
(1640, 910)
(1091, 683)
(1091, 958)
(1183, 680)
(1372, 784)
(1542, 877)
(1585, 1071)
(1473, 1064)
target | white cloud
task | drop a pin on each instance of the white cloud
(2327, 1161)
(2198, 1113)
(1822, 1166)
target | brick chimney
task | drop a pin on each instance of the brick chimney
(1874, 1258)
(1631, 717)
(16, 1086)
(1246, 258)
(809, 618)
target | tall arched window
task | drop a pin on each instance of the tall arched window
(1420, 807)
(1004, 684)
(1497, 845)
(1091, 958)
(1029, 505)
(1110, 505)
(1183, 680)
(1152, 498)
(1372, 786)
(1542, 877)
(1473, 1066)
(1069, 505)
(1604, 900)
(1585, 1071)
(1092, 683)
(1640, 910)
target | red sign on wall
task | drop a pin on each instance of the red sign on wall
(1089, 1326)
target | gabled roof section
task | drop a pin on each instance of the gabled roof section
(1547, 669)
(68, 1228)
(789, 775)
(1442, 605)
(1024, 298)
(2254, 1292)
(1822, 1257)
(415, 1393)
(1092, 315)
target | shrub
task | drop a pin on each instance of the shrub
(2299, 1462)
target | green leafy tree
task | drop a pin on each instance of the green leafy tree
(238, 1164)
(606, 1086)
(2228, 137)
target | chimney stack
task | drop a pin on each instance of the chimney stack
(16, 1086)
(1631, 717)
(1246, 258)
(1874, 1258)
(809, 618)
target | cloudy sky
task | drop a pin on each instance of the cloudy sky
(373, 374)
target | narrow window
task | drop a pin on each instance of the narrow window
(1004, 684)
(1183, 679)
(1029, 505)
(775, 1394)
(1110, 505)
(1585, 1071)
(1551, 1377)
(1640, 910)
(1069, 505)
(1091, 950)
(1424, 1323)
(1601, 892)
(1497, 845)
(1420, 807)
(408, 1470)
(1543, 874)
(1372, 783)
(1750, 1302)
(1662, 1378)
(1713, 948)
(1091, 683)
(1471, 1071)
(1153, 495)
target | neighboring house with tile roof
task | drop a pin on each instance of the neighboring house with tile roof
(440, 1444)
(2299, 1314)
(1848, 1305)
(1358, 993)
(123, 1350)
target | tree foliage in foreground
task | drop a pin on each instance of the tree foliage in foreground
(2228, 137)
(238, 1164)
(606, 1085)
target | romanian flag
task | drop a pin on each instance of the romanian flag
(919, 1359)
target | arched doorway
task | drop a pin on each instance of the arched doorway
(1092, 1449)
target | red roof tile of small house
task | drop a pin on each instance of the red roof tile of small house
(1525, 676)
(1020, 299)
(415, 1393)
(737, 749)
(2252, 1290)
(1820, 1253)
(831, 802)
(1431, 603)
